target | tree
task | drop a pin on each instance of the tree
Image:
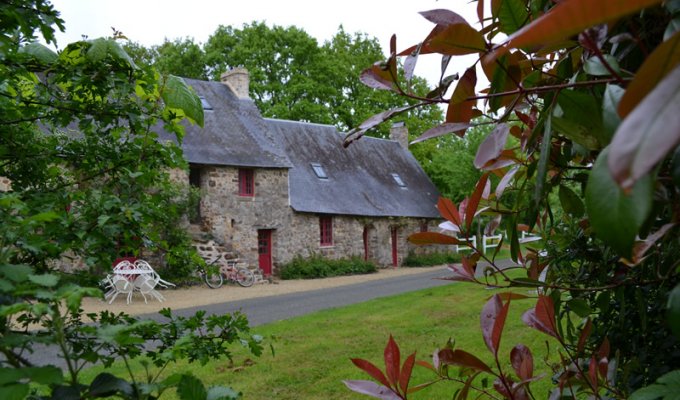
(88, 179)
(589, 95)
(181, 57)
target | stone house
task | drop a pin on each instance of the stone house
(273, 189)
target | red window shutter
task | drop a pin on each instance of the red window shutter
(246, 182)
(326, 231)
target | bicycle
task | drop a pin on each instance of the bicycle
(242, 276)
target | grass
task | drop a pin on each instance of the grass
(312, 353)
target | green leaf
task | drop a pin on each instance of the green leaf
(16, 273)
(512, 15)
(647, 134)
(594, 66)
(576, 133)
(101, 48)
(610, 116)
(571, 203)
(616, 216)
(190, 388)
(584, 109)
(222, 393)
(580, 307)
(177, 94)
(40, 52)
(14, 392)
(47, 280)
(666, 388)
(48, 216)
(106, 385)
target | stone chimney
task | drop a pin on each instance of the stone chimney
(399, 133)
(238, 81)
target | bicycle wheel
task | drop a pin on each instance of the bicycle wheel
(213, 280)
(245, 277)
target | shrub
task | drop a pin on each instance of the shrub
(426, 260)
(317, 266)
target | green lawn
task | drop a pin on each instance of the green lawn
(312, 353)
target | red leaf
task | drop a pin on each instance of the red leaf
(443, 129)
(406, 370)
(426, 364)
(511, 296)
(585, 332)
(505, 181)
(377, 119)
(480, 12)
(524, 118)
(456, 40)
(603, 351)
(491, 227)
(473, 202)
(492, 322)
(463, 359)
(492, 146)
(641, 247)
(656, 66)
(371, 370)
(425, 238)
(376, 77)
(392, 361)
(460, 109)
(568, 18)
(461, 273)
(443, 17)
(542, 317)
(449, 211)
(648, 134)
(393, 44)
(522, 362)
(372, 389)
(592, 373)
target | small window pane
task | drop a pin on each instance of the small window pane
(205, 104)
(319, 171)
(246, 182)
(398, 179)
(326, 231)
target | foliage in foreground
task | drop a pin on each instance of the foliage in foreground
(317, 266)
(89, 181)
(583, 97)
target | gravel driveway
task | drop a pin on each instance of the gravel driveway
(197, 296)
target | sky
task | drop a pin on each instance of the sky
(149, 22)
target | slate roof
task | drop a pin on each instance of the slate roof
(234, 132)
(360, 178)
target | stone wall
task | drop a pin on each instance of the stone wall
(233, 221)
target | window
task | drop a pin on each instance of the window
(205, 104)
(246, 182)
(319, 171)
(326, 230)
(398, 179)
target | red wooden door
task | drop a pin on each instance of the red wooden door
(264, 250)
(395, 258)
(365, 243)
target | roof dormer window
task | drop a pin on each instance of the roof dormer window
(205, 104)
(399, 181)
(319, 171)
